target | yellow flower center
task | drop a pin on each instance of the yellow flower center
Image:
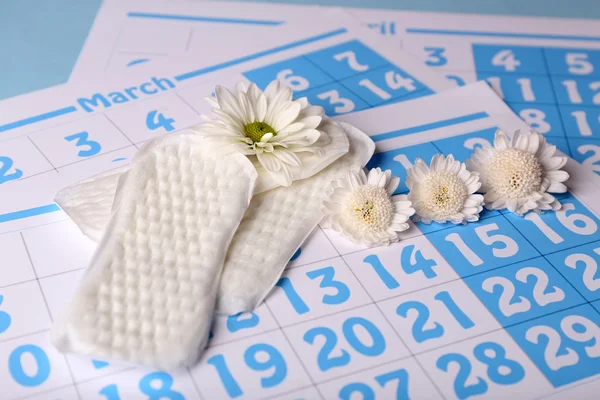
(370, 208)
(256, 130)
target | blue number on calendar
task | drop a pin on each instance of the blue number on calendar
(6, 164)
(82, 139)
(572, 225)
(565, 345)
(579, 266)
(15, 365)
(295, 300)
(410, 252)
(577, 91)
(297, 73)
(5, 319)
(326, 274)
(149, 387)
(156, 120)
(483, 245)
(368, 393)
(494, 361)
(274, 361)
(524, 89)
(420, 333)
(436, 56)
(523, 291)
(296, 254)
(242, 321)
(324, 358)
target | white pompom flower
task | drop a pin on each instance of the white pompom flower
(361, 208)
(444, 191)
(520, 173)
(268, 125)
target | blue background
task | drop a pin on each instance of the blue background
(41, 39)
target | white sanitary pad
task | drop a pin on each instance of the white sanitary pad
(89, 203)
(149, 293)
(276, 223)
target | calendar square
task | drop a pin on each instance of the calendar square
(334, 98)
(383, 84)
(587, 152)
(509, 59)
(402, 159)
(434, 226)
(462, 146)
(562, 144)
(562, 345)
(30, 364)
(315, 290)
(15, 266)
(523, 291)
(544, 118)
(438, 316)
(572, 225)
(58, 290)
(227, 328)
(19, 158)
(482, 245)
(574, 62)
(22, 310)
(571, 90)
(344, 343)
(530, 89)
(347, 59)
(58, 247)
(407, 266)
(581, 121)
(403, 379)
(153, 117)
(579, 265)
(237, 370)
(80, 139)
(490, 366)
(298, 73)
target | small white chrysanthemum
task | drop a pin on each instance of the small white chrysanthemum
(444, 191)
(269, 125)
(361, 207)
(520, 174)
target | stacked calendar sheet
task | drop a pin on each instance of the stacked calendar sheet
(505, 306)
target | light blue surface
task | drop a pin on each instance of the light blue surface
(40, 39)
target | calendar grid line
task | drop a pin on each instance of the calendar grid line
(43, 155)
(411, 354)
(194, 383)
(113, 49)
(118, 128)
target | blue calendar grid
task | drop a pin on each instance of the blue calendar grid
(556, 90)
(343, 78)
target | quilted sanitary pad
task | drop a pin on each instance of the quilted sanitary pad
(276, 224)
(149, 292)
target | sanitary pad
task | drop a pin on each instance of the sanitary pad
(149, 293)
(276, 223)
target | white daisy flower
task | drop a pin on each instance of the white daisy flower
(268, 125)
(444, 191)
(520, 174)
(361, 207)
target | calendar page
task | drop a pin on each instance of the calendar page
(507, 306)
(546, 69)
(128, 33)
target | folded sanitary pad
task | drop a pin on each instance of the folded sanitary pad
(276, 224)
(149, 293)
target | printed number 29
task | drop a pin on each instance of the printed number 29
(156, 120)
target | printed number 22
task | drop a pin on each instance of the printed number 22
(6, 164)
(155, 120)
